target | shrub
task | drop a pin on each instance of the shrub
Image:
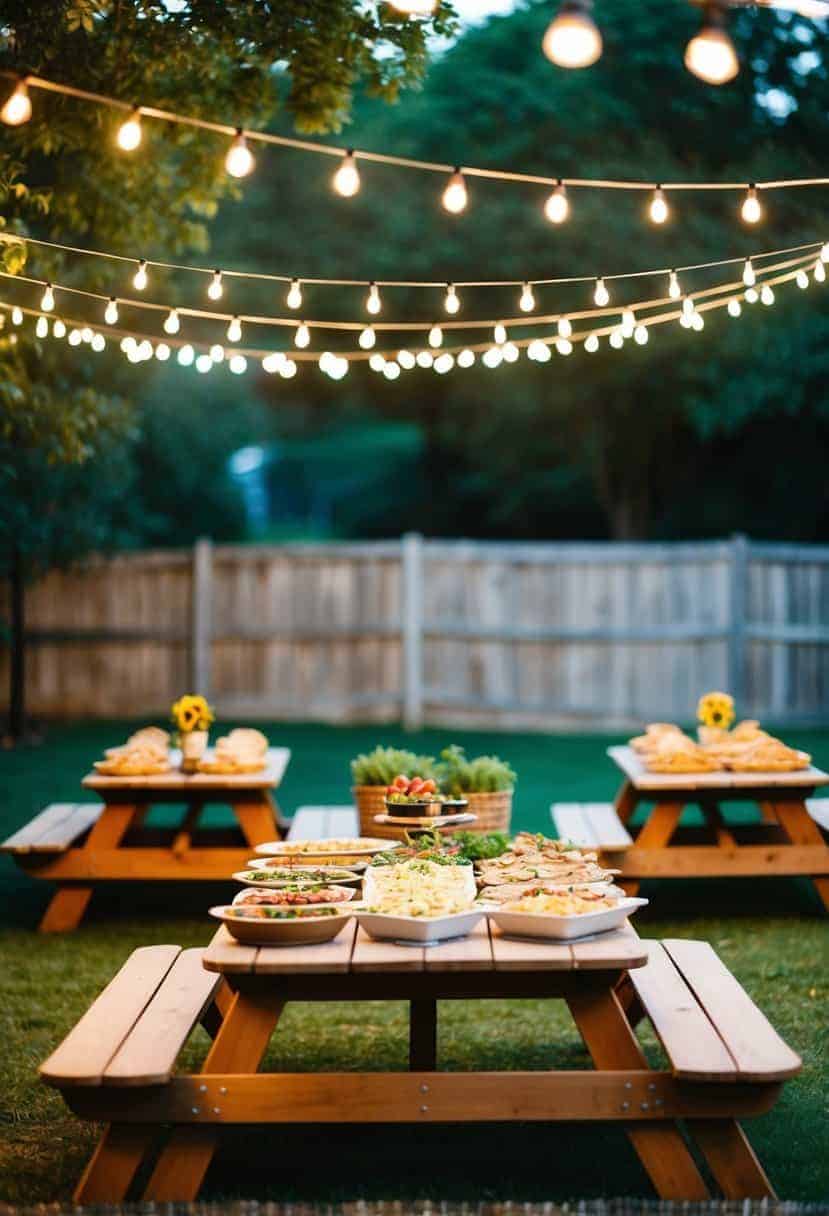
(381, 766)
(482, 775)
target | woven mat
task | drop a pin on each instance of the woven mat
(592, 1207)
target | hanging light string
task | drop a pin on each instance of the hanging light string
(346, 180)
(698, 302)
(215, 274)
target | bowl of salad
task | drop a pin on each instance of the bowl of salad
(272, 925)
(309, 896)
(272, 877)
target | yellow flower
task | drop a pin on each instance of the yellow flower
(191, 712)
(716, 709)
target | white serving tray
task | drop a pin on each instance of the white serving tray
(371, 893)
(419, 930)
(564, 928)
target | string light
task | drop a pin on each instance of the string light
(42, 327)
(217, 352)
(766, 295)
(674, 289)
(302, 337)
(391, 370)
(617, 339)
(466, 358)
(435, 338)
(346, 181)
(565, 327)
(373, 302)
(162, 352)
(628, 323)
(129, 132)
(698, 322)
(186, 355)
(294, 296)
(526, 301)
(573, 40)
(47, 300)
(17, 316)
(75, 338)
(751, 211)
(215, 289)
(564, 346)
(710, 54)
(802, 279)
(601, 296)
(239, 161)
(204, 364)
(591, 344)
(451, 301)
(819, 272)
(111, 311)
(238, 364)
(752, 295)
(510, 352)
(98, 343)
(425, 359)
(658, 209)
(492, 357)
(234, 330)
(557, 206)
(640, 335)
(455, 197)
(18, 106)
(734, 307)
(139, 279)
(499, 334)
(443, 364)
(172, 324)
(406, 360)
(367, 338)
(749, 276)
(538, 351)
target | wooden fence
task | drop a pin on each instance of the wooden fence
(501, 635)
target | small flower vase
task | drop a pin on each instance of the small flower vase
(193, 746)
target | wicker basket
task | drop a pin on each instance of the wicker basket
(370, 800)
(494, 811)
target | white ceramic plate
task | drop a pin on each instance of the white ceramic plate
(296, 931)
(343, 895)
(346, 846)
(329, 875)
(564, 928)
(425, 930)
(372, 889)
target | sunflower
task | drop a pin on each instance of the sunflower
(191, 712)
(716, 709)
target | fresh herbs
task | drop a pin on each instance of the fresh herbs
(480, 846)
(381, 766)
(481, 775)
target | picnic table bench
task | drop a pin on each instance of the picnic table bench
(724, 1061)
(77, 845)
(792, 837)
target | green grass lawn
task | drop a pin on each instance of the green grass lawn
(771, 933)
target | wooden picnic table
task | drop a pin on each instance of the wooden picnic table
(79, 845)
(787, 840)
(119, 1063)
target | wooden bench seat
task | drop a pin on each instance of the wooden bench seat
(818, 808)
(55, 829)
(592, 825)
(134, 1031)
(709, 1026)
(318, 822)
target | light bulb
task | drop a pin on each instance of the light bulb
(565, 328)
(391, 370)
(734, 308)
(346, 181)
(658, 209)
(557, 206)
(451, 301)
(617, 339)
(591, 344)
(697, 322)
(87, 334)
(710, 54)
(234, 330)
(444, 363)
(573, 40)
(271, 363)
(373, 302)
(406, 359)
(42, 327)
(215, 288)
(535, 351)
(139, 279)
(628, 323)
(239, 161)
(751, 296)
(601, 296)
(466, 358)
(302, 337)
(824, 253)
(415, 8)
(688, 308)
(111, 311)
(172, 324)
(288, 369)
(564, 346)
(455, 196)
(766, 295)
(376, 362)
(203, 364)
(802, 279)
(435, 336)
(749, 277)
(674, 289)
(510, 352)
(294, 297)
(217, 352)
(819, 272)
(129, 132)
(499, 334)
(75, 338)
(186, 355)
(162, 352)
(17, 316)
(367, 338)
(145, 349)
(238, 364)
(47, 300)
(99, 343)
(18, 106)
(425, 358)
(492, 357)
(640, 335)
(527, 300)
(751, 211)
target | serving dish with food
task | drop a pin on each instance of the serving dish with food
(261, 875)
(418, 798)
(563, 915)
(419, 900)
(294, 897)
(324, 850)
(264, 925)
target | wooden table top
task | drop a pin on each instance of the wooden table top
(175, 782)
(485, 949)
(633, 766)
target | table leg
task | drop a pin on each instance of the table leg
(801, 828)
(238, 1047)
(257, 820)
(612, 1044)
(423, 1035)
(184, 836)
(716, 820)
(626, 801)
(110, 1172)
(68, 904)
(731, 1159)
(655, 833)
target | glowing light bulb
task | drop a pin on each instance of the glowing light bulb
(99, 343)
(444, 363)
(698, 322)
(766, 295)
(139, 279)
(565, 328)
(640, 335)
(172, 324)
(75, 338)
(129, 132)
(204, 364)
(688, 308)
(145, 349)
(510, 352)
(18, 106)
(294, 297)
(591, 344)
(87, 334)
(346, 181)
(415, 8)
(674, 289)
(186, 355)
(239, 161)
(377, 362)
(499, 334)
(824, 253)
(557, 206)
(406, 359)
(802, 279)
(751, 211)
(288, 369)
(455, 197)
(234, 330)
(749, 277)
(373, 302)
(710, 54)
(17, 316)
(451, 301)
(466, 358)
(572, 39)
(42, 327)
(819, 272)
(658, 209)
(492, 357)
(368, 338)
(302, 337)
(617, 339)
(238, 364)
(752, 296)
(111, 311)
(391, 370)
(527, 301)
(628, 323)
(435, 338)
(536, 351)
(734, 308)
(564, 346)
(162, 352)
(601, 296)
(425, 358)
(217, 352)
(215, 289)
(272, 362)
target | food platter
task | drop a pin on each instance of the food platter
(300, 928)
(427, 821)
(259, 875)
(306, 850)
(300, 897)
(419, 930)
(548, 927)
